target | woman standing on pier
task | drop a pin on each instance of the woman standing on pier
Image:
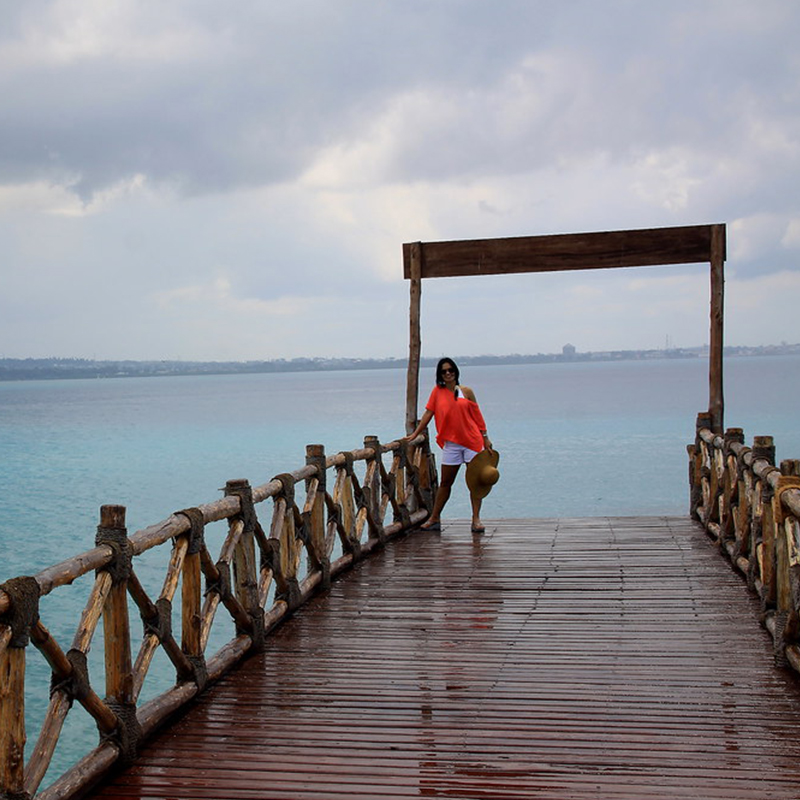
(460, 432)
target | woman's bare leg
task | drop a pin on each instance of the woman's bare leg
(477, 525)
(449, 473)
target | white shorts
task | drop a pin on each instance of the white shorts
(454, 455)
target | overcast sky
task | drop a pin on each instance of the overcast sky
(194, 179)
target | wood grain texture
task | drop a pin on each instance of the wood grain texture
(562, 659)
(691, 244)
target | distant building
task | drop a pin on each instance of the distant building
(568, 351)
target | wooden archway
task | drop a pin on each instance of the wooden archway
(561, 253)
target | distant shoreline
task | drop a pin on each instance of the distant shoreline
(21, 369)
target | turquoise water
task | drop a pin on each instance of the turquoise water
(576, 439)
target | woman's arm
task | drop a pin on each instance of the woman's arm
(423, 423)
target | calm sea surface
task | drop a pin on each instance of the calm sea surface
(580, 439)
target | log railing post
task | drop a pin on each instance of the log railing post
(284, 530)
(696, 466)
(116, 629)
(192, 597)
(373, 488)
(401, 493)
(245, 571)
(764, 450)
(12, 721)
(730, 485)
(345, 497)
(318, 546)
(786, 566)
(743, 513)
(15, 632)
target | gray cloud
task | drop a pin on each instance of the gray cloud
(202, 155)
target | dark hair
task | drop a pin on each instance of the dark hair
(439, 376)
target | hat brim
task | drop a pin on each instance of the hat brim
(486, 458)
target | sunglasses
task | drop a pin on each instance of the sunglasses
(446, 371)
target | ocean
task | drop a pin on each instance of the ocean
(575, 439)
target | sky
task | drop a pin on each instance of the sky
(196, 180)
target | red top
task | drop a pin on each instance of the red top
(458, 420)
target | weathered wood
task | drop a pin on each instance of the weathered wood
(85, 773)
(71, 569)
(372, 487)
(117, 641)
(755, 522)
(116, 578)
(50, 649)
(92, 612)
(459, 667)
(162, 532)
(12, 720)
(151, 641)
(716, 403)
(56, 714)
(415, 335)
(191, 599)
(563, 252)
(63, 670)
(116, 623)
(345, 498)
(235, 531)
(313, 515)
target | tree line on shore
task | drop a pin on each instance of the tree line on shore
(15, 369)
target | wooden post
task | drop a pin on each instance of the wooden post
(696, 466)
(716, 405)
(373, 486)
(317, 546)
(22, 613)
(415, 337)
(116, 623)
(192, 596)
(244, 557)
(783, 557)
(12, 721)
(764, 448)
(120, 690)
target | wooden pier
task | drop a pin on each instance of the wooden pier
(575, 658)
(560, 659)
(546, 658)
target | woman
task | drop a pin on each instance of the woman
(460, 432)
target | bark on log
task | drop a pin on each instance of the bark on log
(83, 775)
(42, 754)
(92, 612)
(12, 720)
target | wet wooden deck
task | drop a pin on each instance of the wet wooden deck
(561, 659)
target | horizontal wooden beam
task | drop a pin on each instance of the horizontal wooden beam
(564, 252)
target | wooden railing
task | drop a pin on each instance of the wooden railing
(751, 509)
(259, 578)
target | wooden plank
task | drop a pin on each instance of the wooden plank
(563, 252)
(414, 334)
(566, 659)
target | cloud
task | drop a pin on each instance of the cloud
(149, 150)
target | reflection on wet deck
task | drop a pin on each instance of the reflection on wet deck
(577, 658)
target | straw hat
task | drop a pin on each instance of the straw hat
(482, 473)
